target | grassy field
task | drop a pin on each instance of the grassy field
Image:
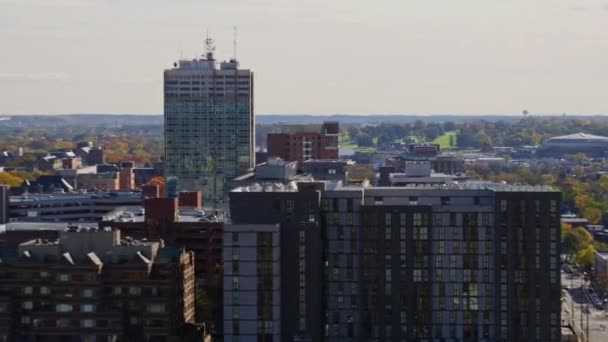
(444, 140)
(347, 143)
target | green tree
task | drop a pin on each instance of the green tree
(575, 240)
(585, 256)
(452, 141)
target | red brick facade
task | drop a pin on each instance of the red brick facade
(304, 145)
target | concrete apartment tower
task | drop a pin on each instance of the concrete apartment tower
(209, 124)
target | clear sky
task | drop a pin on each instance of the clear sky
(312, 56)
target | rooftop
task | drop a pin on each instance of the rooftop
(137, 214)
(40, 226)
(579, 136)
(469, 185)
(75, 196)
(603, 255)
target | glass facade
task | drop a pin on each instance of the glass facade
(208, 127)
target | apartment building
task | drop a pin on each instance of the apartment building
(467, 262)
(94, 285)
(290, 216)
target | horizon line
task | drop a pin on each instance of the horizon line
(329, 114)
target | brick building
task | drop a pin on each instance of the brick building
(304, 142)
(95, 156)
(188, 226)
(93, 285)
(126, 179)
(98, 181)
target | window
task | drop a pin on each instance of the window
(28, 305)
(438, 218)
(87, 308)
(87, 323)
(27, 290)
(44, 274)
(417, 219)
(134, 291)
(485, 219)
(44, 290)
(118, 290)
(156, 308)
(87, 293)
(63, 308)
(63, 277)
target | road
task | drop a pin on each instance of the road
(598, 319)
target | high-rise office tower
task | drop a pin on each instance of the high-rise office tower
(209, 124)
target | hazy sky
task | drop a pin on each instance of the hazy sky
(312, 56)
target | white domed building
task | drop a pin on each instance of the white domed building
(589, 144)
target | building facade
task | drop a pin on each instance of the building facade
(422, 263)
(126, 179)
(69, 207)
(304, 142)
(98, 181)
(252, 287)
(209, 124)
(290, 217)
(93, 285)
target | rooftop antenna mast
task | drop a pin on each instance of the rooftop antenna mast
(234, 43)
(209, 46)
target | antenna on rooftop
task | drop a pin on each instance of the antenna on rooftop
(209, 46)
(234, 43)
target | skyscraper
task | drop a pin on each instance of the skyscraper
(209, 123)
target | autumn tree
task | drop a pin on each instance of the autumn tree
(9, 179)
(160, 182)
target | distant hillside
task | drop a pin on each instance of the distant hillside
(375, 118)
(157, 119)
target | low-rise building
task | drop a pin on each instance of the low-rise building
(601, 269)
(303, 142)
(69, 207)
(327, 169)
(98, 181)
(93, 285)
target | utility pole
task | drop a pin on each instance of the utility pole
(582, 325)
(572, 299)
(587, 330)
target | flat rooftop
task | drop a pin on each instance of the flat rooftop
(137, 214)
(41, 226)
(468, 185)
(75, 196)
